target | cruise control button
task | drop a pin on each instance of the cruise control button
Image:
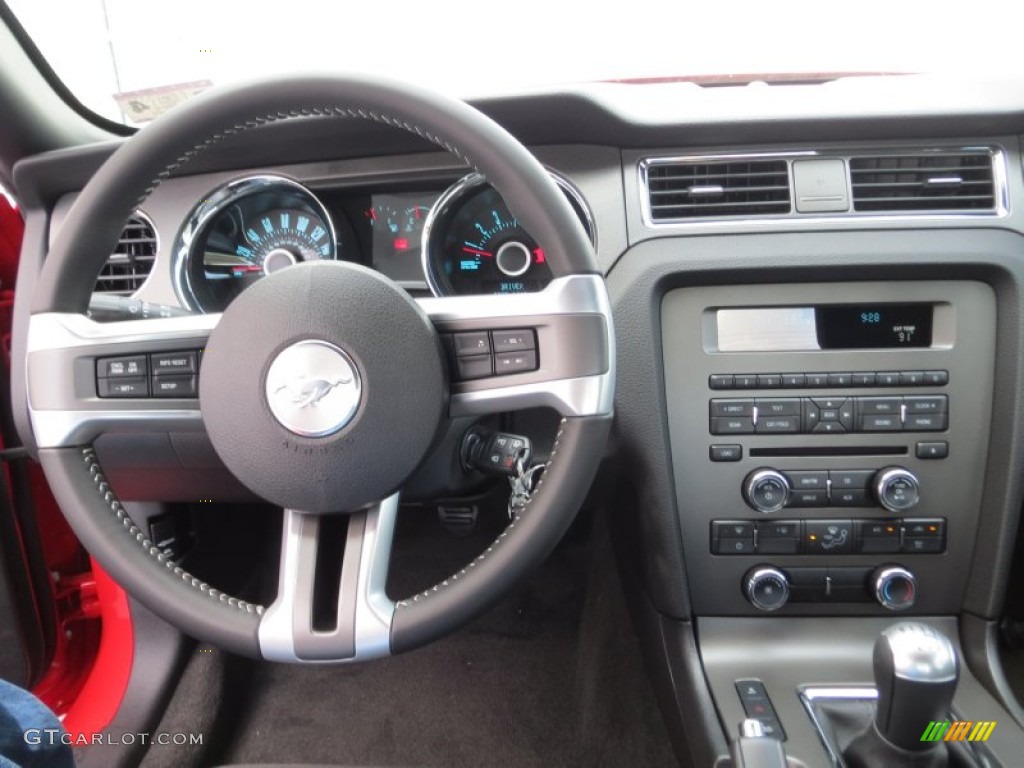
(125, 387)
(935, 422)
(515, 362)
(926, 403)
(121, 366)
(732, 407)
(174, 386)
(474, 367)
(173, 363)
(513, 341)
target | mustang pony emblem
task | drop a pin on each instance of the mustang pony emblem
(305, 393)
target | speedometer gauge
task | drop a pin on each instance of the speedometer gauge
(245, 230)
(473, 244)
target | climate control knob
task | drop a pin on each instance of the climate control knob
(766, 588)
(894, 586)
(766, 490)
(896, 489)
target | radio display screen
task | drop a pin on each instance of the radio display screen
(825, 326)
(874, 326)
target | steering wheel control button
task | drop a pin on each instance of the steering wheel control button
(514, 341)
(515, 362)
(174, 386)
(828, 537)
(766, 588)
(476, 367)
(894, 587)
(896, 489)
(173, 363)
(933, 450)
(726, 452)
(470, 344)
(120, 367)
(313, 388)
(134, 386)
(766, 490)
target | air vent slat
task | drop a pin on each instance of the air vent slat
(129, 265)
(685, 189)
(924, 181)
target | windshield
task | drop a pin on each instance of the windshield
(130, 60)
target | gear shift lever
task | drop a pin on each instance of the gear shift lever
(916, 672)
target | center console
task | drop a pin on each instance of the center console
(829, 443)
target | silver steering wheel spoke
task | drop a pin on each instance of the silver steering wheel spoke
(362, 628)
(570, 324)
(66, 398)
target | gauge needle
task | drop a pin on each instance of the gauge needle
(476, 251)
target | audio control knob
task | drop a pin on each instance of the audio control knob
(896, 489)
(766, 588)
(766, 490)
(894, 586)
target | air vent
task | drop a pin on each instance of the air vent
(130, 263)
(683, 189)
(960, 181)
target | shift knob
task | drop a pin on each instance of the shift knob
(916, 671)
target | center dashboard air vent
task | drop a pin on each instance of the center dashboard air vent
(132, 260)
(960, 181)
(684, 188)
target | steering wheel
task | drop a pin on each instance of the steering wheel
(388, 394)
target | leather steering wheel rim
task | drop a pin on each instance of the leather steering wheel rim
(131, 174)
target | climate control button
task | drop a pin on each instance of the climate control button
(766, 588)
(894, 587)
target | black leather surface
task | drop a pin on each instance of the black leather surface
(523, 546)
(168, 594)
(87, 237)
(399, 361)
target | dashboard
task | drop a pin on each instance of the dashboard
(816, 294)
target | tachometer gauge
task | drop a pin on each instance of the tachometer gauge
(246, 230)
(473, 244)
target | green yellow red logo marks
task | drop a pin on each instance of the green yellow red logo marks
(958, 730)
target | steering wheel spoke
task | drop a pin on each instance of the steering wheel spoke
(360, 628)
(71, 398)
(569, 367)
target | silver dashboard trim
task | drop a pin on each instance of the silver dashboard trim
(793, 218)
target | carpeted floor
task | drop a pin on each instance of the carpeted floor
(550, 677)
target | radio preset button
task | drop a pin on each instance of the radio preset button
(745, 381)
(720, 381)
(864, 379)
(936, 378)
(769, 381)
(840, 379)
(791, 380)
(887, 379)
(817, 379)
